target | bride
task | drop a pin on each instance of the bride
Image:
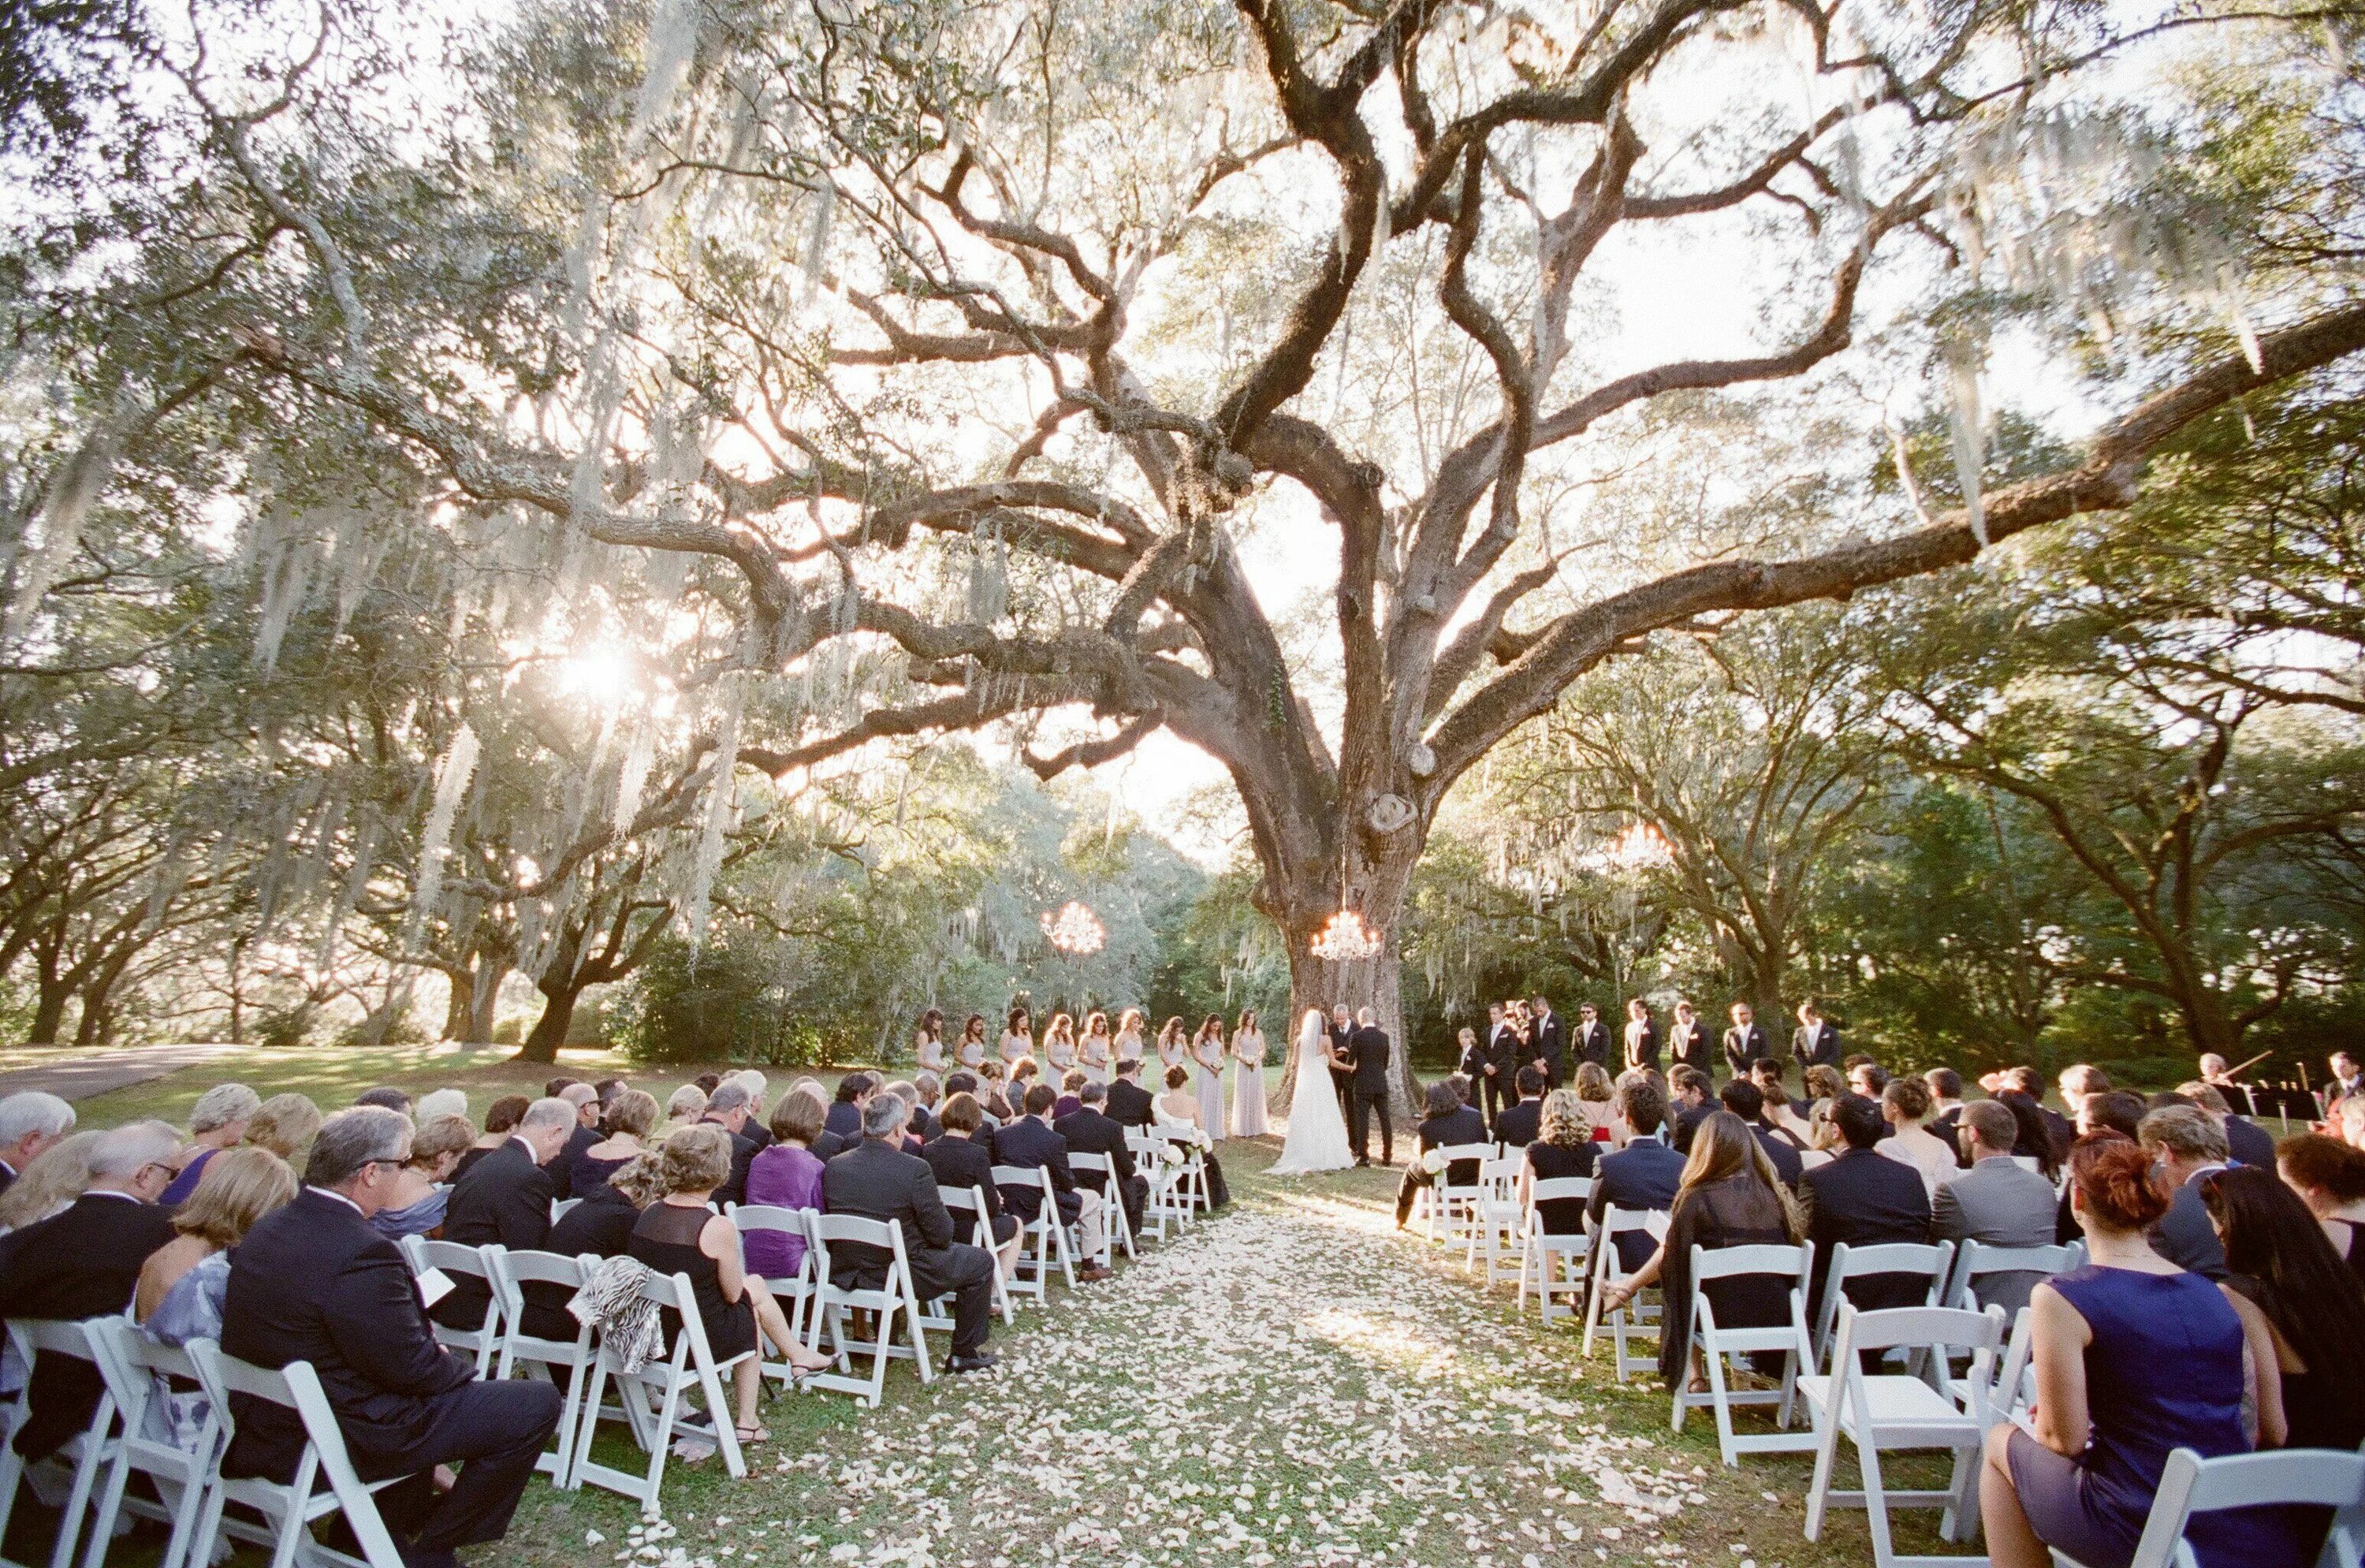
(1317, 1134)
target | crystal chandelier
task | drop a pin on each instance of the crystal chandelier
(1346, 939)
(1074, 929)
(1641, 846)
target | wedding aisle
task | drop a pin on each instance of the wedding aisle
(1293, 1383)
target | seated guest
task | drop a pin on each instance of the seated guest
(1089, 1130)
(505, 1198)
(1521, 1122)
(1597, 1100)
(2303, 1310)
(1031, 1144)
(876, 1179)
(1743, 1098)
(683, 1108)
(30, 1121)
(386, 1097)
(2134, 1356)
(960, 1162)
(1178, 1108)
(285, 1125)
(1945, 1087)
(994, 1093)
(312, 1282)
(54, 1178)
(1645, 1175)
(1863, 1199)
(1565, 1149)
(757, 1086)
(1129, 1104)
(727, 1108)
(913, 1141)
(598, 1227)
(585, 1133)
(1071, 1090)
(416, 1201)
(2188, 1144)
(630, 1118)
(924, 1119)
(705, 1082)
(931, 1090)
(179, 1297)
(1729, 1197)
(853, 1091)
(1905, 1105)
(2113, 1110)
(2246, 1143)
(963, 1081)
(84, 1262)
(785, 1175)
(2045, 1135)
(1766, 1073)
(2329, 1176)
(1693, 1095)
(500, 1124)
(1450, 1120)
(679, 1235)
(1998, 1203)
(2078, 1082)
(216, 1122)
(439, 1103)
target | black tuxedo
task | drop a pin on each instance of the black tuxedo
(1646, 1174)
(1462, 1125)
(1367, 1049)
(505, 1198)
(313, 1282)
(875, 1182)
(1029, 1145)
(844, 1117)
(1129, 1104)
(1819, 1046)
(743, 1154)
(1643, 1046)
(964, 1162)
(1592, 1045)
(1548, 1043)
(1686, 1121)
(2250, 1143)
(1864, 1198)
(1089, 1132)
(1342, 1041)
(1742, 1047)
(1783, 1153)
(1689, 1044)
(1521, 1124)
(1504, 1054)
(82, 1262)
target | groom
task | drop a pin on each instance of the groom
(1367, 1049)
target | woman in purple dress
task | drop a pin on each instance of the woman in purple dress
(787, 1175)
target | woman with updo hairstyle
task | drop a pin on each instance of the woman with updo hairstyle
(285, 1124)
(2133, 1358)
(2303, 1309)
(2329, 1176)
(422, 1188)
(501, 1118)
(1905, 1105)
(1178, 1108)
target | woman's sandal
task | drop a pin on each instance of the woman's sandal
(747, 1435)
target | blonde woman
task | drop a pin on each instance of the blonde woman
(1177, 1110)
(1563, 1147)
(631, 1119)
(1098, 1053)
(1128, 1034)
(415, 1205)
(50, 1181)
(285, 1124)
(179, 1297)
(1248, 1077)
(684, 1106)
(1058, 1047)
(1595, 1100)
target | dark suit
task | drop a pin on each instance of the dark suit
(561, 1164)
(505, 1198)
(1593, 1043)
(1864, 1198)
(314, 1282)
(1689, 1045)
(82, 1262)
(1642, 1048)
(1818, 1048)
(601, 1226)
(1688, 1119)
(1343, 1079)
(1129, 1104)
(743, 1154)
(1521, 1124)
(1948, 1129)
(1031, 1146)
(875, 1182)
(1089, 1132)
(1504, 1054)
(1742, 1047)
(2184, 1235)
(963, 1162)
(1462, 1125)
(2252, 1144)
(1782, 1152)
(1367, 1048)
(844, 1117)
(1643, 1175)
(1548, 1043)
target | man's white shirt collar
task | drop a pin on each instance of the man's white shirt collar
(333, 1192)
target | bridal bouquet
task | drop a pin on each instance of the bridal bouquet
(1171, 1153)
(1201, 1138)
(1433, 1162)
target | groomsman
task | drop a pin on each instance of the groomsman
(1642, 1036)
(1745, 1042)
(1342, 1028)
(1548, 1044)
(1592, 1037)
(1503, 1061)
(1816, 1041)
(1687, 1041)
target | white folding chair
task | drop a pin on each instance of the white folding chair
(1448, 1207)
(795, 1293)
(84, 1457)
(1497, 1224)
(1891, 1257)
(1714, 1344)
(132, 1364)
(1976, 1260)
(1042, 1240)
(2189, 1485)
(543, 1358)
(1165, 1204)
(1118, 1230)
(894, 1295)
(1608, 1271)
(690, 1368)
(969, 1201)
(290, 1506)
(1896, 1413)
(484, 1341)
(559, 1207)
(1554, 1265)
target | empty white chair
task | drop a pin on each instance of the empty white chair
(484, 1341)
(1896, 1413)
(1554, 1265)
(968, 1203)
(795, 1293)
(2189, 1485)
(544, 1359)
(1887, 1259)
(84, 1456)
(290, 1506)
(1117, 1230)
(131, 1363)
(689, 1368)
(891, 1297)
(1715, 1343)
(1609, 1271)
(1975, 1262)
(1042, 1240)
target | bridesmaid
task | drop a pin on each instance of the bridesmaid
(1207, 1052)
(928, 1043)
(1098, 1050)
(1018, 1037)
(1248, 1077)
(1128, 1034)
(971, 1052)
(1173, 1044)
(1058, 1049)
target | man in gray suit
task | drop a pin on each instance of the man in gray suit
(1996, 1202)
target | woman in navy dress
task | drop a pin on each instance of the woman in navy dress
(2133, 1358)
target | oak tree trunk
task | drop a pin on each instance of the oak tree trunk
(561, 993)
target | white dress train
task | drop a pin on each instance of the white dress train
(1317, 1133)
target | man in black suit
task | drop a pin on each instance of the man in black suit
(314, 1282)
(1694, 1104)
(1945, 1124)
(876, 1179)
(1523, 1123)
(1367, 1053)
(505, 1198)
(1816, 1041)
(1743, 1100)
(1501, 1062)
(1031, 1143)
(1448, 1122)
(1342, 1079)
(1687, 1041)
(854, 1092)
(31, 1120)
(1592, 1038)
(1745, 1042)
(727, 1109)
(1548, 1043)
(1090, 1131)
(1129, 1104)
(2188, 1144)
(582, 1135)
(2246, 1143)
(1864, 1198)
(1643, 1175)
(84, 1262)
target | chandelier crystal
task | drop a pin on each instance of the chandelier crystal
(1346, 939)
(1074, 929)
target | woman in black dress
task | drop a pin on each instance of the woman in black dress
(2329, 1176)
(1563, 1147)
(598, 1227)
(2298, 1297)
(679, 1235)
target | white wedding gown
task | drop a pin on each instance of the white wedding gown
(1317, 1133)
